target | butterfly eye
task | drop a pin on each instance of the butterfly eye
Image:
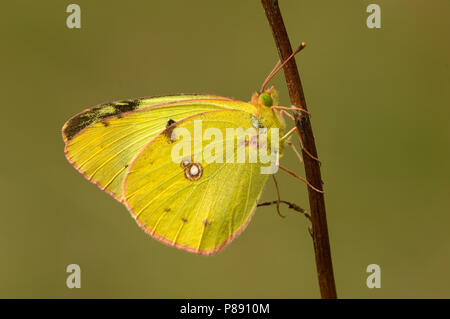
(266, 99)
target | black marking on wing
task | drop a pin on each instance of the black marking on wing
(169, 130)
(96, 114)
(126, 106)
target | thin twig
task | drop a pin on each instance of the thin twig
(312, 168)
(290, 205)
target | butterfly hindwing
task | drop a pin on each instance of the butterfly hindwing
(196, 206)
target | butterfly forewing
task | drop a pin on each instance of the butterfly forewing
(101, 142)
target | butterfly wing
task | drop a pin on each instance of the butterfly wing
(199, 212)
(102, 141)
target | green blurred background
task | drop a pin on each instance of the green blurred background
(380, 104)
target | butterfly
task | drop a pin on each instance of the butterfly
(126, 149)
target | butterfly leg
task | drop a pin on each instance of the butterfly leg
(295, 150)
(301, 178)
(303, 147)
(282, 112)
(301, 143)
(292, 145)
(293, 108)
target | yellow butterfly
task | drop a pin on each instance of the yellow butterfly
(127, 147)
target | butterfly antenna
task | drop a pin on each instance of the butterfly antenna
(278, 67)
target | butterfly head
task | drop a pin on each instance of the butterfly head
(266, 114)
(265, 100)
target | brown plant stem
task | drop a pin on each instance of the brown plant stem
(312, 167)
